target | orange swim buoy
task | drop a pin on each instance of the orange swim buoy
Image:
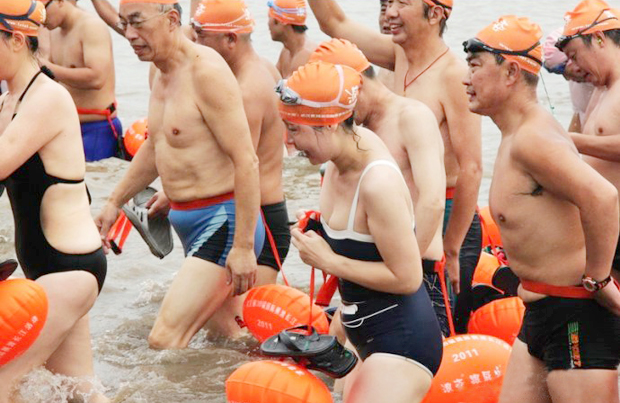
(501, 318)
(271, 308)
(23, 311)
(472, 370)
(490, 231)
(275, 382)
(135, 136)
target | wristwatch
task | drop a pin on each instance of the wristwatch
(592, 285)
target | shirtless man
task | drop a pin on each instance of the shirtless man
(592, 42)
(430, 73)
(410, 131)
(257, 78)
(559, 224)
(200, 145)
(287, 19)
(82, 60)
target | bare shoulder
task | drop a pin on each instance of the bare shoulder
(541, 133)
(207, 66)
(380, 183)
(91, 26)
(455, 68)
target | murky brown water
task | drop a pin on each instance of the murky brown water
(129, 371)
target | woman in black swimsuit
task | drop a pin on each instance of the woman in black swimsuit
(367, 238)
(42, 167)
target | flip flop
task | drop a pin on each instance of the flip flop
(156, 231)
(7, 268)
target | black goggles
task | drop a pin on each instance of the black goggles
(23, 17)
(474, 45)
(564, 39)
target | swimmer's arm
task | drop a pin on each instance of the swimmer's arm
(425, 150)
(603, 147)
(466, 139)
(98, 59)
(252, 104)
(377, 47)
(559, 170)
(390, 223)
(109, 15)
(34, 126)
(221, 106)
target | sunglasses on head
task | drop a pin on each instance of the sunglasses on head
(564, 39)
(474, 45)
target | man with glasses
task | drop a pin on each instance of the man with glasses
(426, 70)
(81, 59)
(559, 224)
(200, 145)
(591, 41)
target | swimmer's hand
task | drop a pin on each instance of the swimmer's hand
(158, 205)
(453, 270)
(609, 297)
(313, 250)
(241, 268)
(104, 221)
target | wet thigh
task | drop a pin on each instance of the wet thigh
(389, 379)
(584, 385)
(525, 378)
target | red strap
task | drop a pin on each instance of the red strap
(440, 270)
(274, 248)
(450, 193)
(102, 112)
(577, 292)
(327, 291)
(121, 227)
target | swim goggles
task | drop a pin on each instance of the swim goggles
(476, 45)
(282, 10)
(564, 39)
(288, 96)
(23, 17)
(559, 69)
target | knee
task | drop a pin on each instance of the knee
(162, 338)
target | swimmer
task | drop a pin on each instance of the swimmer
(595, 50)
(426, 70)
(368, 238)
(559, 223)
(200, 145)
(43, 170)
(81, 59)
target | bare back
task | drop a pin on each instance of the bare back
(86, 44)
(257, 81)
(188, 157)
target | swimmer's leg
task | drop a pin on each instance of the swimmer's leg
(74, 358)
(65, 310)
(525, 378)
(384, 378)
(584, 385)
(198, 290)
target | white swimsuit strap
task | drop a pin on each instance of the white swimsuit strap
(359, 184)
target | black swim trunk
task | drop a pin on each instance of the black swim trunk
(568, 333)
(396, 325)
(276, 219)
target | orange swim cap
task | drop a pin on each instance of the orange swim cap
(224, 16)
(340, 51)
(515, 38)
(446, 4)
(319, 94)
(588, 17)
(291, 12)
(25, 16)
(149, 1)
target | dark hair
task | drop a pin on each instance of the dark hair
(442, 25)
(32, 41)
(349, 127)
(176, 6)
(613, 34)
(300, 29)
(530, 79)
(369, 72)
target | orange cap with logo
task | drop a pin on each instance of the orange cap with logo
(291, 12)
(149, 1)
(319, 94)
(515, 34)
(341, 51)
(446, 4)
(590, 16)
(224, 16)
(25, 16)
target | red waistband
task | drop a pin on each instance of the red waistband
(577, 292)
(450, 193)
(109, 111)
(201, 203)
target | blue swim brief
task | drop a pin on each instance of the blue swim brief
(207, 228)
(99, 139)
